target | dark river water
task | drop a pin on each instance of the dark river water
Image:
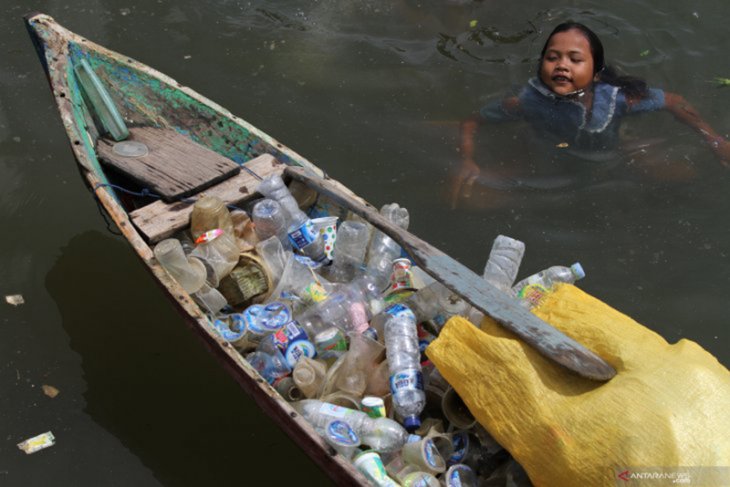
(371, 91)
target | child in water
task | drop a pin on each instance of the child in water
(574, 106)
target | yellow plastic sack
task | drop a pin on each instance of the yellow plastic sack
(668, 406)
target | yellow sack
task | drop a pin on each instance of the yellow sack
(668, 406)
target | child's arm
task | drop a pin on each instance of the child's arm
(686, 113)
(469, 170)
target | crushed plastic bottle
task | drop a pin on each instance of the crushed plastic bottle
(381, 434)
(270, 220)
(531, 289)
(504, 262)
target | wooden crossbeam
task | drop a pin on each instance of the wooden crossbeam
(160, 220)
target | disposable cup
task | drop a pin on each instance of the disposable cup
(371, 465)
(327, 228)
(424, 455)
(456, 411)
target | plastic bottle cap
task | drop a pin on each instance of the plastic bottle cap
(412, 423)
(578, 270)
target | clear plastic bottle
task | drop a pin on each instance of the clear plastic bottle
(300, 228)
(270, 220)
(532, 289)
(383, 249)
(406, 379)
(350, 248)
(504, 262)
(381, 434)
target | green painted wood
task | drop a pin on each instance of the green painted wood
(543, 337)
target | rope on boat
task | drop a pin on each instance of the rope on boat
(146, 193)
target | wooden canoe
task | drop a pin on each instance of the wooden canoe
(182, 126)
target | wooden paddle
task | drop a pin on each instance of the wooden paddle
(506, 310)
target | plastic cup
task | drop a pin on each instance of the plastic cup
(373, 406)
(371, 465)
(424, 455)
(420, 479)
(327, 228)
(456, 411)
(460, 475)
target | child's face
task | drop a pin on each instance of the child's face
(568, 63)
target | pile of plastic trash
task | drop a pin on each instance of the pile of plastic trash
(333, 315)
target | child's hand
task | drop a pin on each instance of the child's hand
(463, 180)
(721, 147)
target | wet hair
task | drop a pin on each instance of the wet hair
(634, 88)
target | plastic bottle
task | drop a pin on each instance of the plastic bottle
(504, 262)
(270, 220)
(406, 379)
(381, 434)
(383, 249)
(300, 228)
(352, 243)
(532, 289)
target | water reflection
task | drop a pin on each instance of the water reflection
(150, 382)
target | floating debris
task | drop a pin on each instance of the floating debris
(32, 445)
(50, 391)
(562, 145)
(14, 299)
(645, 52)
(722, 81)
(473, 23)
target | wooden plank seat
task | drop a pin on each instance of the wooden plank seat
(173, 166)
(160, 220)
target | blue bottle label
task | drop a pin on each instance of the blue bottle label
(409, 379)
(460, 441)
(262, 320)
(231, 328)
(399, 309)
(341, 433)
(293, 343)
(431, 454)
(302, 236)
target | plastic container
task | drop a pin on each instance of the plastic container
(263, 320)
(340, 436)
(406, 379)
(460, 475)
(209, 213)
(189, 272)
(371, 465)
(531, 289)
(270, 220)
(309, 376)
(219, 252)
(291, 341)
(349, 255)
(270, 367)
(381, 434)
(359, 361)
(383, 249)
(210, 299)
(424, 455)
(300, 229)
(504, 262)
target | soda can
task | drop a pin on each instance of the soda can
(330, 343)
